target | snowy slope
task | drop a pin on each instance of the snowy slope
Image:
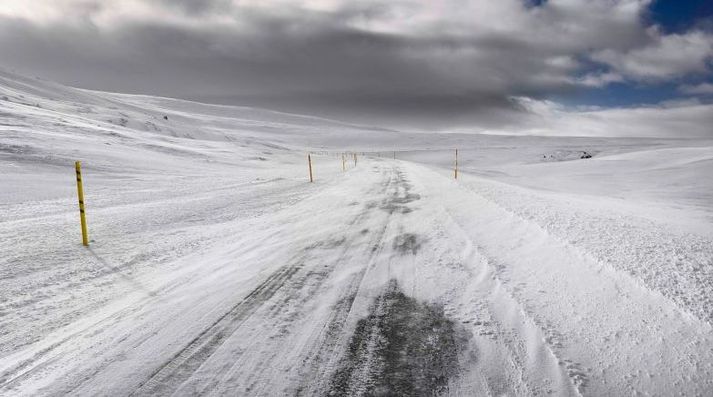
(216, 268)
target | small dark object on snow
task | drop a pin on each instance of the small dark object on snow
(165, 117)
(586, 155)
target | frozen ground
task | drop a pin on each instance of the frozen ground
(216, 268)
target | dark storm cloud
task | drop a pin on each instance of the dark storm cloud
(404, 62)
(197, 8)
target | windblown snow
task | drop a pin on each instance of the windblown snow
(216, 268)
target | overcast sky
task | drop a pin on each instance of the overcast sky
(486, 65)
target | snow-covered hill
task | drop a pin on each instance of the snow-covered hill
(215, 267)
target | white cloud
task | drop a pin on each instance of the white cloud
(600, 79)
(673, 119)
(668, 56)
(700, 89)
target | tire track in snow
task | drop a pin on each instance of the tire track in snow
(533, 331)
(51, 353)
(554, 338)
(326, 341)
(181, 366)
(176, 373)
(45, 355)
(612, 335)
(60, 285)
(332, 334)
(274, 282)
(335, 340)
(508, 323)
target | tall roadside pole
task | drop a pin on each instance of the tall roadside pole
(80, 195)
(455, 168)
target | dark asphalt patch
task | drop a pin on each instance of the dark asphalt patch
(403, 347)
(407, 243)
(397, 202)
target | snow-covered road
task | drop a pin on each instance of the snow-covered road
(216, 268)
(391, 277)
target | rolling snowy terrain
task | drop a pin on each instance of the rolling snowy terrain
(215, 267)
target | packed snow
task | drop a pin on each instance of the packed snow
(215, 267)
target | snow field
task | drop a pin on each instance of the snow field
(216, 268)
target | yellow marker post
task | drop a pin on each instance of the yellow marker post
(344, 163)
(309, 162)
(80, 194)
(455, 169)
